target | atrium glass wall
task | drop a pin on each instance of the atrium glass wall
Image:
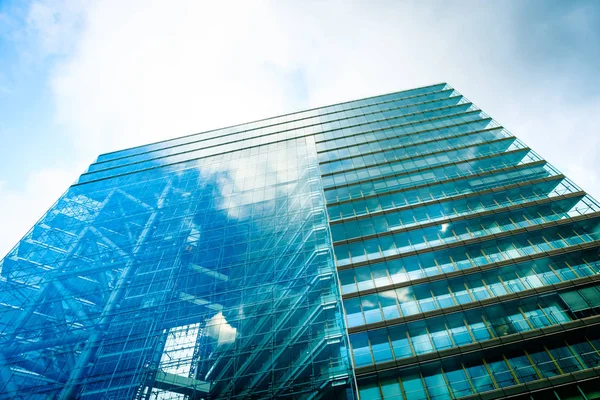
(208, 279)
(403, 246)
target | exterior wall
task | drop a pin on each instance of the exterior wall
(404, 246)
(467, 263)
(212, 278)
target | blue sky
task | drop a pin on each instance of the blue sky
(78, 78)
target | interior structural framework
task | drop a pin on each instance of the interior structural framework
(403, 246)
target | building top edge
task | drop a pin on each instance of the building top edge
(273, 117)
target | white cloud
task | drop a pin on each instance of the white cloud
(55, 24)
(149, 71)
(157, 71)
(138, 71)
(219, 329)
(24, 206)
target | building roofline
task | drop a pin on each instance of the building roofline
(276, 116)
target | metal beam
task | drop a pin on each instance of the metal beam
(180, 384)
(89, 352)
(5, 377)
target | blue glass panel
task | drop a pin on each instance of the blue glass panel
(205, 266)
(211, 278)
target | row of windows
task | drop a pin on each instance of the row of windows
(410, 300)
(298, 148)
(250, 147)
(367, 157)
(453, 379)
(296, 131)
(457, 329)
(440, 191)
(392, 138)
(427, 265)
(286, 122)
(379, 103)
(417, 237)
(409, 164)
(437, 174)
(212, 161)
(407, 217)
(448, 117)
(585, 390)
(450, 232)
(387, 101)
(234, 133)
(499, 249)
(400, 116)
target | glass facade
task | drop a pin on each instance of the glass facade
(404, 246)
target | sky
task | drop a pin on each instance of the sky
(79, 77)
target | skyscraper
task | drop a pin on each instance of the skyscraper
(404, 246)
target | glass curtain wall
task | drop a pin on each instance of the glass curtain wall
(457, 246)
(208, 279)
(403, 246)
